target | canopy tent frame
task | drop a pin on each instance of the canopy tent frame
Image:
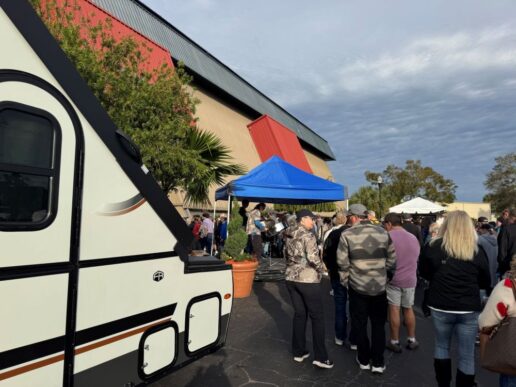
(277, 182)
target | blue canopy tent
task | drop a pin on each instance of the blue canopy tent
(276, 181)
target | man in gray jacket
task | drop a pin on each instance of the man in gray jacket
(366, 259)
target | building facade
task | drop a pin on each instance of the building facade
(250, 124)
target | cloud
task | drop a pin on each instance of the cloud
(452, 62)
(434, 81)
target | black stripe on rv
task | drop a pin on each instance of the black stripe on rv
(113, 327)
(45, 348)
(48, 50)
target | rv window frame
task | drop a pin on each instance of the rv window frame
(52, 173)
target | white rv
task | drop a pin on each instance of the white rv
(96, 286)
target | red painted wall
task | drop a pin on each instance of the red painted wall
(273, 139)
(155, 58)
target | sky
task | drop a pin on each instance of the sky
(381, 81)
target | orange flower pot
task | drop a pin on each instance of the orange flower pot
(243, 277)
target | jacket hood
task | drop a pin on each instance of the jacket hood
(489, 239)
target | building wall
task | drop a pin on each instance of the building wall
(473, 209)
(231, 127)
(318, 165)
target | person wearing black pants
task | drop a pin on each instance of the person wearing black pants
(303, 277)
(362, 309)
(306, 300)
(366, 259)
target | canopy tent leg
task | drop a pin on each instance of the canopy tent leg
(213, 219)
(229, 208)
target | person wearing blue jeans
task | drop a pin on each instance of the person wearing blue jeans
(340, 297)
(465, 326)
(340, 293)
(457, 269)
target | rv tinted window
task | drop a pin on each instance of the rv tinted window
(25, 139)
(28, 176)
(23, 198)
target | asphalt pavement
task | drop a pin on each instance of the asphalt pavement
(257, 352)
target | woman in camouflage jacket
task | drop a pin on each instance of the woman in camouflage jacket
(303, 278)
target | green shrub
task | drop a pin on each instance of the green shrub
(237, 238)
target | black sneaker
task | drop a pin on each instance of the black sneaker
(323, 364)
(412, 344)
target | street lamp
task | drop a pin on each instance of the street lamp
(379, 181)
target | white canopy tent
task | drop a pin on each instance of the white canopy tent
(418, 206)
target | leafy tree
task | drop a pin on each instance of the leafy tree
(155, 107)
(370, 197)
(501, 183)
(414, 180)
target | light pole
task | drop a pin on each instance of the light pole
(379, 181)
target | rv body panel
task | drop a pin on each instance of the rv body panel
(32, 330)
(111, 293)
(117, 220)
(96, 283)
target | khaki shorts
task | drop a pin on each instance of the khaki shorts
(403, 297)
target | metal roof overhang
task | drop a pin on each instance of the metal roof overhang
(147, 22)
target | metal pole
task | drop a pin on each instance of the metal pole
(380, 194)
(229, 215)
(213, 238)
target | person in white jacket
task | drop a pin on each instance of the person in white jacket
(501, 303)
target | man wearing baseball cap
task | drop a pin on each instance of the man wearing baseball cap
(303, 277)
(366, 258)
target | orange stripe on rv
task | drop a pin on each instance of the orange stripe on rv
(78, 351)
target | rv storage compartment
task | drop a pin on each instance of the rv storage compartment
(158, 349)
(203, 322)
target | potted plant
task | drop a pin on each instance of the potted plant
(243, 264)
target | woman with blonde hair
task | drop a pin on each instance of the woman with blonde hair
(457, 269)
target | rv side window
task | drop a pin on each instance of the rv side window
(29, 148)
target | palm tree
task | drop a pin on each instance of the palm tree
(215, 162)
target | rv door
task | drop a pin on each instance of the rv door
(38, 162)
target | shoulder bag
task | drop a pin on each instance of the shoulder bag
(497, 345)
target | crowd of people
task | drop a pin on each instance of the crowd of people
(209, 235)
(374, 268)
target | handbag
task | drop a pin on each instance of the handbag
(497, 345)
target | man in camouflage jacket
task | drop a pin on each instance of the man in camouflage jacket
(366, 260)
(303, 279)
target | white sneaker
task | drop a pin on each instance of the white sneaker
(378, 370)
(353, 347)
(339, 341)
(323, 364)
(363, 366)
(300, 359)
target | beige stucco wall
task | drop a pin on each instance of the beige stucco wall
(320, 168)
(473, 209)
(230, 126)
(318, 165)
